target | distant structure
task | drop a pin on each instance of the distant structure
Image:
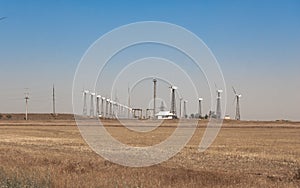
(92, 113)
(85, 92)
(227, 117)
(106, 108)
(111, 109)
(53, 100)
(173, 103)
(237, 110)
(184, 109)
(180, 102)
(200, 107)
(102, 106)
(26, 105)
(162, 106)
(128, 110)
(154, 97)
(98, 97)
(218, 110)
(163, 114)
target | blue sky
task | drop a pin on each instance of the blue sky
(256, 43)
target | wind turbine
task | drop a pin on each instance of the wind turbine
(92, 113)
(184, 109)
(154, 97)
(200, 107)
(180, 102)
(237, 110)
(98, 98)
(218, 110)
(85, 92)
(173, 104)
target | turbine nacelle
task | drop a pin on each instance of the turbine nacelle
(174, 87)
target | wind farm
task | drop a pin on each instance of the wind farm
(236, 157)
(149, 94)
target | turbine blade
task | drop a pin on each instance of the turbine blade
(234, 100)
(233, 90)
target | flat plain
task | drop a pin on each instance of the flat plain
(50, 152)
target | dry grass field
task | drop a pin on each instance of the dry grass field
(50, 152)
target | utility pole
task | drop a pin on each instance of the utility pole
(53, 101)
(26, 103)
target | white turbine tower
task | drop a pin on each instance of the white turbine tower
(154, 97)
(107, 108)
(102, 106)
(92, 113)
(180, 103)
(85, 92)
(184, 109)
(173, 102)
(200, 107)
(218, 110)
(237, 109)
(98, 97)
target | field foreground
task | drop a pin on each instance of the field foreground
(52, 153)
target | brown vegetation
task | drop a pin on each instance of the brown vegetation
(52, 153)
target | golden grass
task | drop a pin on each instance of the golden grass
(246, 155)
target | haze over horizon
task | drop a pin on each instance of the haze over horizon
(256, 44)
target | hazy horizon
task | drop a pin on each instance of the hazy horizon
(255, 43)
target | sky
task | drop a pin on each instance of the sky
(256, 44)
